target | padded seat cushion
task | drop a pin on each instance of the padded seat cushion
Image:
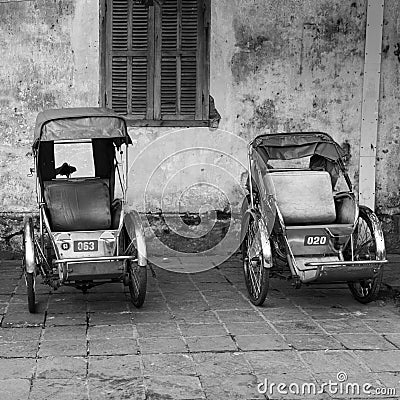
(78, 204)
(304, 197)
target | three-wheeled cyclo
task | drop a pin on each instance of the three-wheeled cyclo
(86, 235)
(298, 225)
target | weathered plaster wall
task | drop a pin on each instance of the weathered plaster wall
(388, 148)
(388, 162)
(48, 58)
(290, 66)
(275, 66)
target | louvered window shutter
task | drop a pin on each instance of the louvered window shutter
(179, 54)
(128, 89)
(157, 60)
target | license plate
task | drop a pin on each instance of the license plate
(86, 245)
(315, 240)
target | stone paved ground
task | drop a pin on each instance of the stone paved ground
(197, 337)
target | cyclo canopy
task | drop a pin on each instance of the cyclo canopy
(103, 127)
(78, 124)
(324, 151)
(287, 146)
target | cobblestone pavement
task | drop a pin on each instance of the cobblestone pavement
(197, 337)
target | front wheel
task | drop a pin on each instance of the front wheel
(137, 283)
(256, 274)
(365, 239)
(30, 263)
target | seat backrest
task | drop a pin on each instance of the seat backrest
(78, 204)
(304, 197)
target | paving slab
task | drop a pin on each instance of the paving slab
(238, 387)
(16, 368)
(63, 348)
(364, 341)
(110, 367)
(381, 361)
(177, 387)
(211, 343)
(156, 345)
(261, 342)
(313, 341)
(59, 367)
(15, 389)
(128, 331)
(131, 388)
(168, 364)
(60, 389)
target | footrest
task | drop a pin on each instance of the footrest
(310, 273)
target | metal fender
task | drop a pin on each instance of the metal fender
(378, 232)
(29, 247)
(248, 214)
(134, 227)
(265, 244)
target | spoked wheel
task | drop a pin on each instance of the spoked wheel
(256, 274)
(30, 264)
(365, 239)
(137, 283)
(136, 274)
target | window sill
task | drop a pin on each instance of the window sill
(166, 123)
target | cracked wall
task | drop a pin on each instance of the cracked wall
(49, 58)
(295, 66)
(275, 66)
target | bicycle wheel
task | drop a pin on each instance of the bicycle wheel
(29, 264)
(364, 239)
(256, 274)
(137, 283)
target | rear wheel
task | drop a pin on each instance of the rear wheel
(256, 274)
(365, 239)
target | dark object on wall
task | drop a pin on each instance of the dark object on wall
(214, 115)
(397, 51)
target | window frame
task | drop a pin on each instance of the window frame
(154, 84)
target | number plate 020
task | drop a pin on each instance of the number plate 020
(315, 240)
(86, 245)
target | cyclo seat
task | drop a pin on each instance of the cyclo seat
(78, 204)
(304, 197)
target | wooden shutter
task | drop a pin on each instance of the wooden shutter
(119, 60)
(180, 53)
(128, 89)
(156, 60)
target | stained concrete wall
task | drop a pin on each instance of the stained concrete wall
(275, 66)
(48, 58)
(388, 161)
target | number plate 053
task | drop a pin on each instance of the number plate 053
(315, 240)
(86, 245)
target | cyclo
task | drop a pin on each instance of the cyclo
(296, 225)
(86, 235)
